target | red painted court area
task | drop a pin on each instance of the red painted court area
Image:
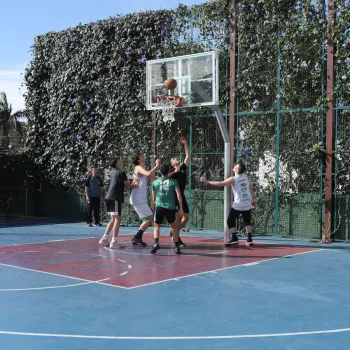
(129, 266)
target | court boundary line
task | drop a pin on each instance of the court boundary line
(204, 337)
(225, 268)
(64, 276)
(51, 287)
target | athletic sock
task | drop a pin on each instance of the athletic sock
(177, 244)
(156, 240)
(114, 239)
(139, 232)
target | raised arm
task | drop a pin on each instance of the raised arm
(149, 173)
(227, 182)
(187, 151)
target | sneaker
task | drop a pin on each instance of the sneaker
(177, 250)
(104, 240)
(249, 242)
(113, 244)
(137, 240)
(231, 242)
(89, 225)
(99, 225)
(155, 248)
(181, 244)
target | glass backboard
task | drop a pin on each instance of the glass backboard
(197, 79)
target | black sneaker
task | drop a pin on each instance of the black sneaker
(181, 244)
(249, 242)
(137, 240)
(89, 225)
(177, 250)
(99, 225)
(231, 242)
(155, 248)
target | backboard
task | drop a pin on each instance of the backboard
(197, 79)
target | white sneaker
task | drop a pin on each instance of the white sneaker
(113, 244)
(104, 240)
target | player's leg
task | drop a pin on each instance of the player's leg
(146, 215)
(116, 225)
(158, 219)
(181, 219)
(231, 223)
(105, 240)
(247, 218)
(97, 206)
(171, 218)
(89, 213)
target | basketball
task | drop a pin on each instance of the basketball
(170, 84)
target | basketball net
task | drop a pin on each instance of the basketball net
(168, 105)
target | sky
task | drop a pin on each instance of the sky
(22, 20)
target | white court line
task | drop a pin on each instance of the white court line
(56, 274)
(64, 252)
(223, 252)
(224, 268)
(52, 287)
(104, 256)
(121, 260)
(251, 264)
(30, 251)
(123, 273)
(195, 337)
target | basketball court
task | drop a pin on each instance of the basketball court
(59, 289)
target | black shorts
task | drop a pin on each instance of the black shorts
(114, 207)
(184, 204)
(162, 213)
(234, 214)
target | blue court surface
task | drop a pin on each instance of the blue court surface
(59, 289)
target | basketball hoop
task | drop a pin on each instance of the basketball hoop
(168, 105)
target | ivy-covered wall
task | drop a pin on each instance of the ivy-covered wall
(86, 94)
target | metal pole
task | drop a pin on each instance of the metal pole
(278, 117)
(26, 201)
(233, 68)
(227, 166)
(328, 197)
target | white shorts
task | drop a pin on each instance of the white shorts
(143, 211)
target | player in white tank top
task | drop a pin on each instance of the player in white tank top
(139, 195)
(139, 199)
(242, 203)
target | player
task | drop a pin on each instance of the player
(139, 199)
(242, 204)
(163, 200)
(114, 198)
(180, 175)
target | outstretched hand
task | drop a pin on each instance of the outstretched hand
(203, 179)
(183, 140)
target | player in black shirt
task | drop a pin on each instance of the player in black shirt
(114, 198)
(179, 173)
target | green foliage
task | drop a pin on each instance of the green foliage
(86, 86)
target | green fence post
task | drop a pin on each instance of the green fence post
(278, 116)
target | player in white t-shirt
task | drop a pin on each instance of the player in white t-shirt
(243, 201)
(139, 197)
